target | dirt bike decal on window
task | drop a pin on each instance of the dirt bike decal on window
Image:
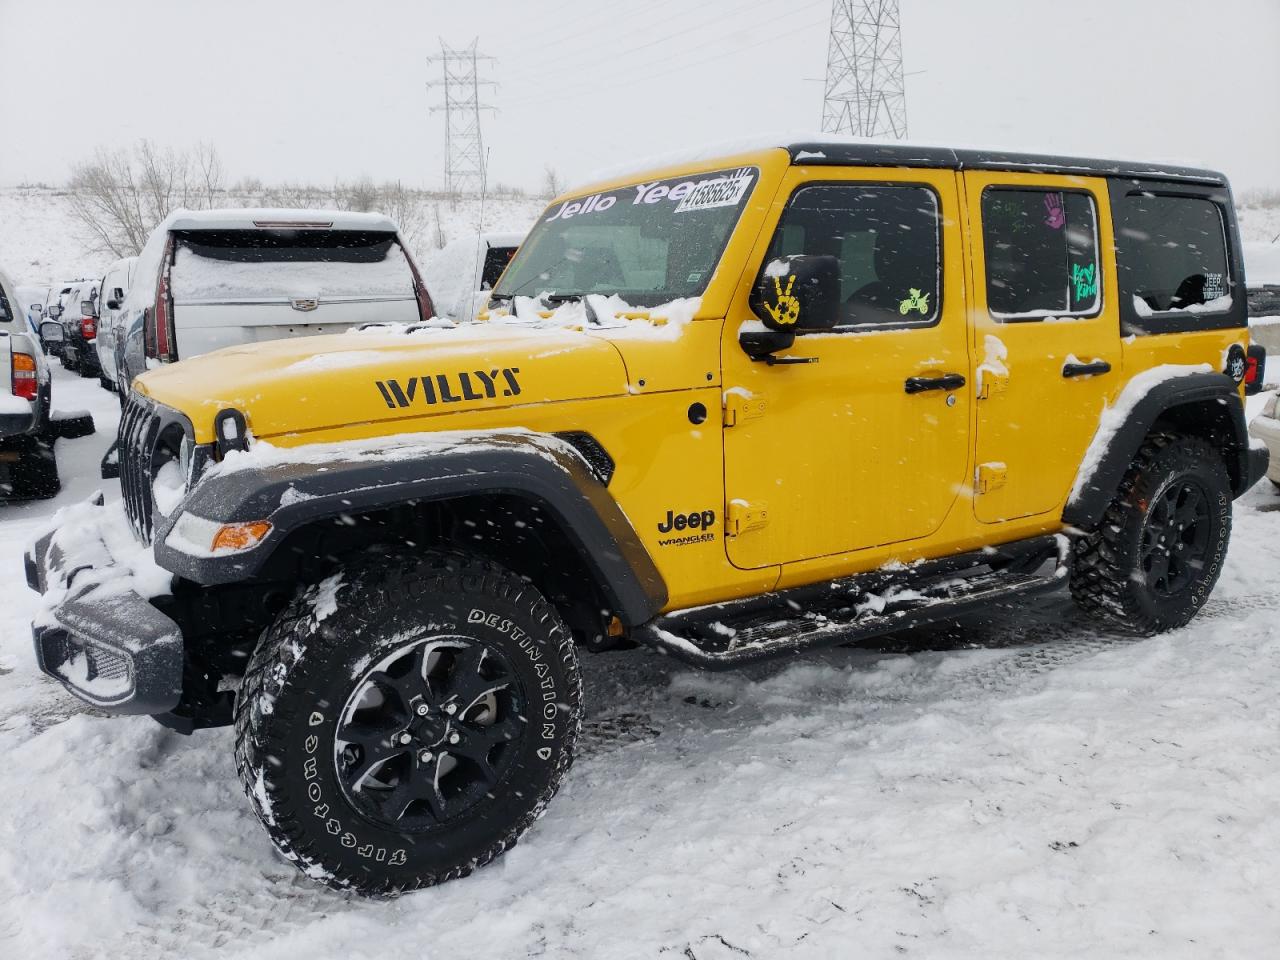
(916, 301)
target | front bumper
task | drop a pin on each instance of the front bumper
(1266, 429)
(96, 634)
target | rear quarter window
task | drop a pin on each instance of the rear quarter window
(1174, 254)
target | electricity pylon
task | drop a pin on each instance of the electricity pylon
(865, 96)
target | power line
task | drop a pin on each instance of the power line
(865, 94)
(464, 164)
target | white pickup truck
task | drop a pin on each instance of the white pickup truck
(28, 427)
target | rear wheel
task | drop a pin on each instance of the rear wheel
(1159, 550)
(406, 720)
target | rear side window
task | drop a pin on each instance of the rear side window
(887, 239)
(272, 264)
(1175, 254)
(1041, 250)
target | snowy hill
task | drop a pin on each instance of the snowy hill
(41, 241)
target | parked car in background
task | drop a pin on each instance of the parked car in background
(461, 273)
(115, 284)
(80, 328)
(216, 278)
(28, 466)
(31, 303)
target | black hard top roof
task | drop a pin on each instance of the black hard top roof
(870, 154)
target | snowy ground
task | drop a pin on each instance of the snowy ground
(1021, 788)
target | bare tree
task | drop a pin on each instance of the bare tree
(406, 208)
(552, 185)
(119, 196)
(438, 237)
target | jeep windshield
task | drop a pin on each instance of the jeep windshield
(649, 242)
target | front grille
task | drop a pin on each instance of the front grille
(139, 427)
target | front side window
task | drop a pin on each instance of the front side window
(648, 242)
(1174, 254)
(886, 238)
(1041, 250)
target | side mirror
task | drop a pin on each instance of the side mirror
(37, 308)
(54, 311)
(51, 332)
(69, 426)
(113, 304)
(88, 308)
(799, 293)
(109, 468)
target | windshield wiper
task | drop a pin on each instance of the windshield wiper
(563, 297)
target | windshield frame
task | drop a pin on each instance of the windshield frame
(500, 295)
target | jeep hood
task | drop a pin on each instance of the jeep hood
(313, 383)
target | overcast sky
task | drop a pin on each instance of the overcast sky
(317, 90)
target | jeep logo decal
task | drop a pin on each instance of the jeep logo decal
(694, 520)
(450, 387)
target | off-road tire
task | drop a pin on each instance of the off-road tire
(299, 686)
(105, 384)
(36, 474)
(1108, 579)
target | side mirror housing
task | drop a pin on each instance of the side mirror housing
(70, 426)
(51, 332)
(54, 311)
(799, 293)
(88, 308)
(113, 304)
(37, 308)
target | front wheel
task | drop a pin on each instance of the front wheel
(1159, 550)
(406, 720)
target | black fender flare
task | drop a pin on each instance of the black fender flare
(302, 487)
(1180, 400)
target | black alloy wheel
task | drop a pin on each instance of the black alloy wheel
(428, 733)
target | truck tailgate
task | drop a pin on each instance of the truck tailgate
(202, 326)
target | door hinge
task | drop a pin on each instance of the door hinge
(990, 476)
(993, 383)
(738, 408)
(743, 516)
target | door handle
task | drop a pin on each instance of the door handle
(1085, 369)
(948, 381)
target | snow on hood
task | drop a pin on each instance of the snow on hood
(528, 357)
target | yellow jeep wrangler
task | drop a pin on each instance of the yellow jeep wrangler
(730, 409)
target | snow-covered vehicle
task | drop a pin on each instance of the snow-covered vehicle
(28, 429)
(79, 319)
(733, 410)
(461, 274)
(115, 284)
(216, 278)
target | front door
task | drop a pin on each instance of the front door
(868, 444)
(1046, 334)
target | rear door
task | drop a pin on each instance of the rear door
(1046, 334)
(868, 443)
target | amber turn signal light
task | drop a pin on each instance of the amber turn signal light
(240, 536)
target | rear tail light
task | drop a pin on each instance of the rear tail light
(426, 309)
(88, 327)
(23, 368)
(1254, 364)
(164, 323)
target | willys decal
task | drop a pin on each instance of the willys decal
(450, 387)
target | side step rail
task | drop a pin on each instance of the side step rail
(725, 636)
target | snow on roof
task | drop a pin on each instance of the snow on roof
(252, 218)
